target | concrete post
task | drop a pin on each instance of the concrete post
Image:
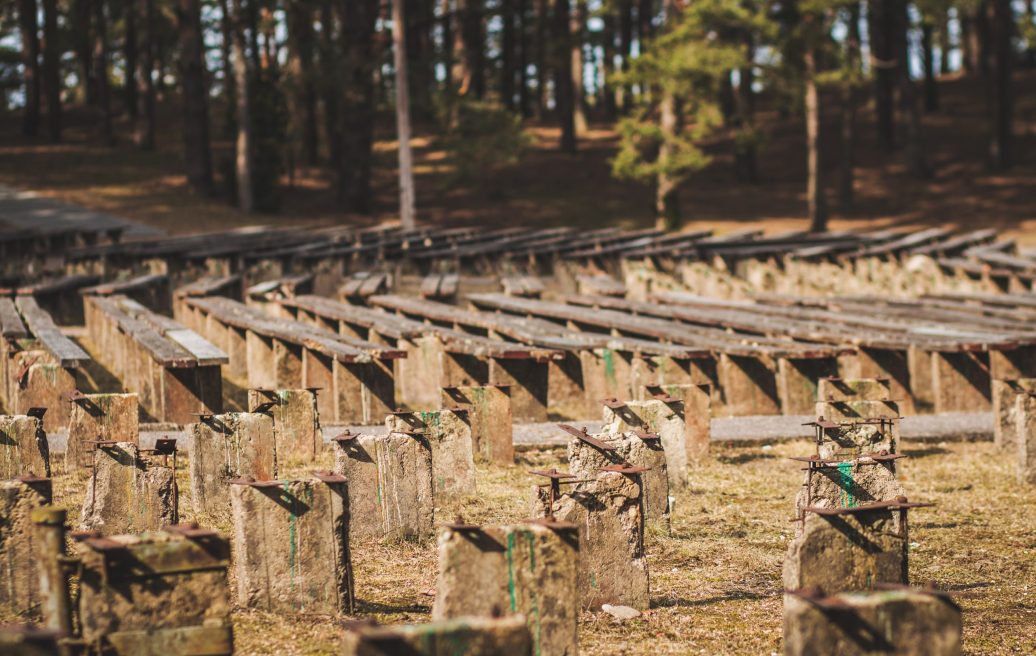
(489, 410)
(19, 549)
(50, 540)
(664, 418)
(100, 417)
(449, 435)
(463, 636)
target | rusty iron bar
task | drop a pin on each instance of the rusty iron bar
(625, 468)
(325, 476)
(586, 437)
(614, 403)
(646, 436)
(23, 373)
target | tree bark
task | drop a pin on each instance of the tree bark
(507, 54)
(226, 42)
(997, 69)
(626, 49)
(52, 69)
(667, 205)
(564, 93)
(407, 215)
(420, 46)
(815, 185)
(358, 18)
(30, 36)
(130, 54)
(195, 98)
(243, 75)
(543, 22)
(945, 45)
(745, 161)
(882, 30)
(850, 100)
(931, 86)
(304, 97)
(608, 90)
(331, 81)
(145, 135)
(909, 106)
(577, 23)
(101, 71)
(971, 47)
(524, 97)
(469, 51)
(82, 12)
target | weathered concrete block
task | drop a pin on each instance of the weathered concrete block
(1005, 418)
(961, 381)
(23, 447)
(854, 389)
(103, 417)
(586, 461)
(613, 567)
(489, 410)
(449, 435)
(28, 640)
(849, 484)
(527, 380)
(19, 580)
(390, 485)
(159, 593)
(296, 421)
(1025, 449)
(697, 417)
(662, 418)
(43, 385)
(225, 447)
(128, 492)
(851, 440)
(291, 545)
(529, 569)
(847, 552)
(464, 636)
(902, 622)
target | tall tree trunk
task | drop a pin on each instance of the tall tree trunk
(446, 22)
(645, 24)
(301, 63)
(331, 83)
(30, 36)
(197, 150)
(745, 160)
(850, 100)
(52, 68)
(226, 42)
(145, 135)
(358, 18)
(909, 106)
(564, 93)
(82, 16)
(524, 97)
(667, 205)
(130, 54)
(420, 17)
(931, 86)
(608, 90)
(815, 185)
(507, 53)
(243, 76)
(945, 45)
(101, 71)
(577, 22)
(543, 54)
(469, 53)
(971, 48)
(626, 49)
(997, 68)
(882, 31)
(407, 215)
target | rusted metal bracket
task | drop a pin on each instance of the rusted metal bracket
(458, 524)
(899, 503)
(613, 403)
(23, 373)
(625, 468)
(665, 398)
(344, 436)
(646, 436)
(36, 413)
(586, 437)
(325, 476)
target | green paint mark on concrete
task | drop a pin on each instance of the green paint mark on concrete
(845, 481)
(510, 572)
(609, 364)
(292, 542)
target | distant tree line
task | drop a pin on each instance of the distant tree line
(301, 82)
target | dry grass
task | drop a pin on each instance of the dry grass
(716, 582)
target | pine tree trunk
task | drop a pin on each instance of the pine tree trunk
(358, 18)
(446, 22)
(101, 72)
(130, 54)
(145, 134)
(882, 29)
(197, 150)
(407, 216)
(420, 28)
(971, 48)
(626, 49)
(667, 205)
(507, 52)
(909, 106)
(815, 185)
(301, 63)
(997, 70)
(577, 21)
(564, 93)
(226, 42)
(470, 39)
(608, 91)
(931, 86)
(850, 100)
(945, 46)
(543, 22)
(524, 97)
(30, 37)
(52, 68)
(243, 76)
(331, 81)
(745, 160)
(82, 16)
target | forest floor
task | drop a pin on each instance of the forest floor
(716, 581)
(550, 188)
